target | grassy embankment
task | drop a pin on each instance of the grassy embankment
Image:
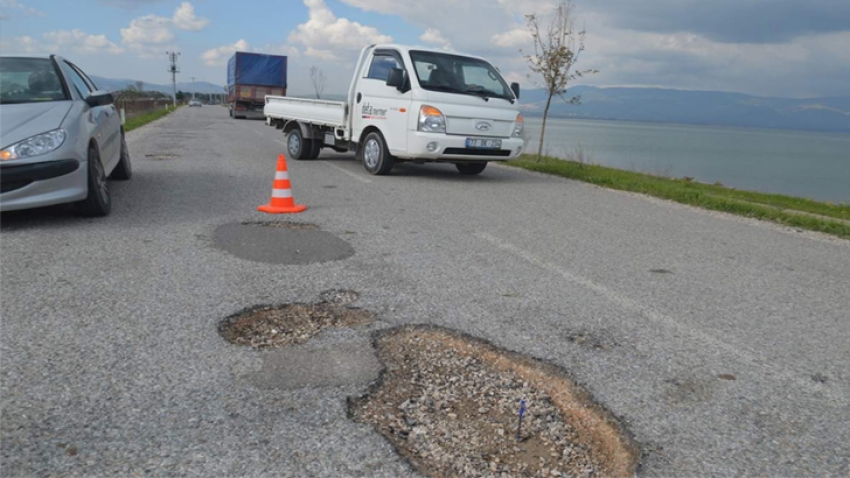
(141, 120)
(789, 211)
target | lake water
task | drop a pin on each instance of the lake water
(794, 163)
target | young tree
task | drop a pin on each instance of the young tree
(317, 77)
(557, 47)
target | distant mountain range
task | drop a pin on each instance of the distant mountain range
(640, 104)
(695, 107)
(115, 84)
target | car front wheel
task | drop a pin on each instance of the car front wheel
(375, 155)
(124, 170)
(99, 200)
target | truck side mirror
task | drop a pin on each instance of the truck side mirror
(515, 89)
(396, 78)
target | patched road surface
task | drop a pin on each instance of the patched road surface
(734, 361)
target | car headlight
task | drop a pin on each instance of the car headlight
(431, 120)
(519, 126)
(34, 146)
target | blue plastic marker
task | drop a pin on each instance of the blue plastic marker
(519, 424)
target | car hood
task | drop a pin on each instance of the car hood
(21, 121)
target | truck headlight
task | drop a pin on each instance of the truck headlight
(431, 120)
(34, 146)
(519, 126)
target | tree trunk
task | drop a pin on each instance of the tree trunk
(543, 128)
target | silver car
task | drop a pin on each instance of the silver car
(61, 137)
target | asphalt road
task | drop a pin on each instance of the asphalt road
(112, 364)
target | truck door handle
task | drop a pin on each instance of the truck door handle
(359, 97)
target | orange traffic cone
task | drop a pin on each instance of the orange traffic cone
(281, 201)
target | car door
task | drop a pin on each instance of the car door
(377, 104)
(106, 123)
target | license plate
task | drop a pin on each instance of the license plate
(483, 143)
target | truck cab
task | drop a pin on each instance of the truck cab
(412, 104)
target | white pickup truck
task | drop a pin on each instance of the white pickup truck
(409, 104)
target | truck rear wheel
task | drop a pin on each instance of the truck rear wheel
(471, 169)
(315, 149)
(298, 147)
(375, 155)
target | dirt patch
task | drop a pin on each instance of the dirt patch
(449, 404)
(268, 326)
(339, 296)
(160, 157)
(298, 226)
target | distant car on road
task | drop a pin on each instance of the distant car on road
(61, 138)
(194, 102)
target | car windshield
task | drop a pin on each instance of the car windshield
(29, 80)
(459, 74)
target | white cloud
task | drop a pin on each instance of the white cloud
(147, 30)
(515, 38)
(219, 56)
(81, 42)
(62, 42)
(13, 5)
(184, 18)
(147, 34)
(323, 35)
(432, 35)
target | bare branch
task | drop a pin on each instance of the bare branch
(317, 78)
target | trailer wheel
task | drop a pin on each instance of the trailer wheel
(298, 147)
(375, 155)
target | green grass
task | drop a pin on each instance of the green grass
(789, 211)
(141, 120)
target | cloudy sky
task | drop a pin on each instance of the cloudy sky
(798, 48)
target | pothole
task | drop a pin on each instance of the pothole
(281, 242)
(160, 157)
(268, 326)
(449, 404)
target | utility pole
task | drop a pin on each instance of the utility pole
(172, 57)
(193, 86)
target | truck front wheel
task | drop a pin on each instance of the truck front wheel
(298, 147)
(375, 155)
(471, 169)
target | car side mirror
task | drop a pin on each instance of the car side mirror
(396, 78)
(515, 89)
(100, 98)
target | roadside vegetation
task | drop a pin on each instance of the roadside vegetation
(789, 211)
(143, 119)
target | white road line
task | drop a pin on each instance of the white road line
(280, 142)
(353, 175)
(684, 329)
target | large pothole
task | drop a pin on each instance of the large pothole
(281, 242)
(449, 404)
(268, 326)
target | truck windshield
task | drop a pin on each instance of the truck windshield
(459, 74)
(29, 80)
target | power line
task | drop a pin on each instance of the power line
(172, 57)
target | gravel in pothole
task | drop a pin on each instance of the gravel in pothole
(449, 404)
(289, 324)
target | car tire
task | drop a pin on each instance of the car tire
(298, 147)
(471, 169)
(99, 200)
(315, 149)
(124, 170)
(375, 156)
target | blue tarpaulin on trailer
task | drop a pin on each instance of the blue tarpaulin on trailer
(256, 69)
